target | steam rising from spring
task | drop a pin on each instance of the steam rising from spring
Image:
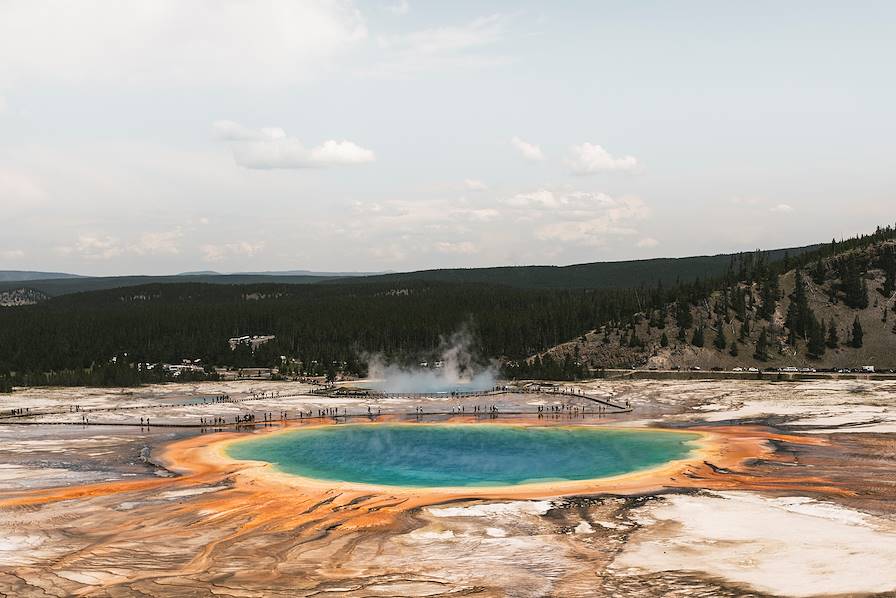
(456, 369)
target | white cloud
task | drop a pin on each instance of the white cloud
(96, 246)
(270, 147)
(157, 243)
(341, 152)
(534, 225)
(781, 208)
(227, 130)
(399, 8)
(439, 48)
(171, 41)
(529, 151)
(589, 158)
(2, 104)
(567, 200)
(648, 242)
(93, 246)
(593, 227)
(462, 247)
(215, 253)
(481, 214)
(474, 185)
(12, 254)
(360, 207)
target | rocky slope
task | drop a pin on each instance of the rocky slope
(640, 342)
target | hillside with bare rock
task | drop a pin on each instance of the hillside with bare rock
(830, 309)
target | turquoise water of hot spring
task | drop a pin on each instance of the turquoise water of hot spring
(435, 455)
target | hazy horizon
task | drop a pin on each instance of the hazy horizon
(317, 272)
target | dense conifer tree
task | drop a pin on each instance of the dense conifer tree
(857, 334)
(769, 295)
(683, 317)
(833, 340)
(818, 273)
(721, 342)
(698, 339)
(761, 352)
(816, 344)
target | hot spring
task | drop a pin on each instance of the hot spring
(434, 455)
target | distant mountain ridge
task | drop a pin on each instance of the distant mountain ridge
(595, 275)
(285, 273)
(27, 275)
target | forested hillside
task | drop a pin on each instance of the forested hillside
(598, 275)
(753, 307)
(55, 287)
(321, 323)
(829, 308)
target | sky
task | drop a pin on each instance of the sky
(168, 136)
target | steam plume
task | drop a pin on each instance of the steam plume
(459, 370)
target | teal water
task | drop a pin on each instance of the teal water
(424, 455)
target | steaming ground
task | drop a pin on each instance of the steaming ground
(455, 369)
(396, 379)
(785, 542)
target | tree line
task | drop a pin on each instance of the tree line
(73, 339)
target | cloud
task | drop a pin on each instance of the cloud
(567, 200)
(781, 208)
(647, 242)
(399, 8)
(589, 158)
(95, 246)
(12, 254)
(174, 42)
(227, 130)
(474, 185)
(215, 253)
(592, 226)
(270, 148)
(532, 226)
(341, 152)
(480, 214)
(529, 151)
(464, 247)
(158, 243)
(440, 48)
(92, 246)
(2, 104)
